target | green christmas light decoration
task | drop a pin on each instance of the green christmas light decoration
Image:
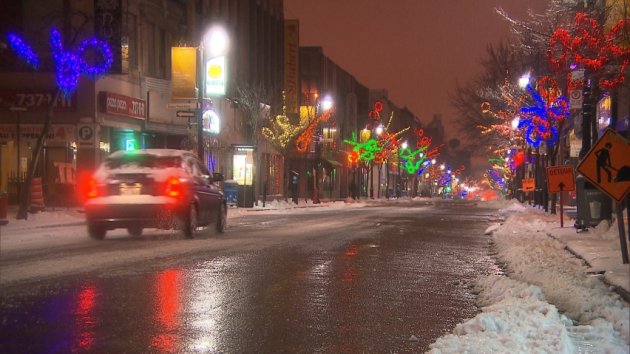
(362, 151)
(374, 150)
(414, 159)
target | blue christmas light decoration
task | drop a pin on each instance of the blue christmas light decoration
(69, 64)
(107, 57)
(496, 178)
(424, 166)
(538, 120)
(23, 50)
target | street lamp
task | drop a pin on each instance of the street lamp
(403, 146)
(323, 109)
(523, 81)
(212, 75)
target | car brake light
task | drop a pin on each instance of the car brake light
(174, 187)
(92, 188)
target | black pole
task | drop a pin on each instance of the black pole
(200, 93)
(586, 119)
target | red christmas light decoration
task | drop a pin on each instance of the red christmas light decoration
(590, 48)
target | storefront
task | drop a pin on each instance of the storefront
(56, 167)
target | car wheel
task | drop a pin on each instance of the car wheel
(134, 231)
(96, 232)
(190, 222)
(221, 219)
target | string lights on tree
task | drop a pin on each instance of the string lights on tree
(540, 121)
(592, 49)
(69, 64)
(282, 131)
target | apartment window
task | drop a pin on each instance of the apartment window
(129, 43)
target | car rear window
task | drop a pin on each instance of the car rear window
(143, 160)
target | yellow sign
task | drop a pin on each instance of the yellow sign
(607, 165)
(183, 72)
(529, 185)
(216, 77)
(560, 179)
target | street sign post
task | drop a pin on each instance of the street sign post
(560, 179)
(529, 185)
(181, 105)
(607, 166)
(185, 114)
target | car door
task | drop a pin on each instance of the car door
(206, 191)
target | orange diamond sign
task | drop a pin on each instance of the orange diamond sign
(607, 165)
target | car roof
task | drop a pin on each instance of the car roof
(157, 152)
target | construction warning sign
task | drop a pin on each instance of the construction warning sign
(529, 185)
(560, 179)
(607, 165)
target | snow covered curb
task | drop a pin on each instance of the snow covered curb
(550, 301)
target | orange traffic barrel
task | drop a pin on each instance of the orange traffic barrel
(37, 195)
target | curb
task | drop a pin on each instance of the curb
(619, 290)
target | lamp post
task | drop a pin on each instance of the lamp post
(402, 147)
(326, 104)
(211, 75)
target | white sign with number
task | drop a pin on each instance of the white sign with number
(575, 99)
(86, 135)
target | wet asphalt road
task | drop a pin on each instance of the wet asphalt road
(377, 279)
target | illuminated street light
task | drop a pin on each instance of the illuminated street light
(327, 103)
(523, 81)
(216, 41)
(379, 130)
(515, 122)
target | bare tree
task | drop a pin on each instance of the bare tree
(255, 102)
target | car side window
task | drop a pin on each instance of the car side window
(203, 170)
(189, 166)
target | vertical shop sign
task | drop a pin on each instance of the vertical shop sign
(183, 72)
(291, 56)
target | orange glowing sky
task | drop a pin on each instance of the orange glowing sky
(418, 50)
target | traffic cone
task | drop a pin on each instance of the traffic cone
(37, 195)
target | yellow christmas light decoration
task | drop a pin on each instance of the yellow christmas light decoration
(282, 131)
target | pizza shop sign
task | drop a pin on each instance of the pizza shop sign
(121, 105)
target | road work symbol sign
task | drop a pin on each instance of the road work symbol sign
(607, 165)
(560, 179)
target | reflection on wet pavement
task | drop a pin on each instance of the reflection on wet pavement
(394, 292)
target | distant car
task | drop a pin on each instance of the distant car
(153, 188)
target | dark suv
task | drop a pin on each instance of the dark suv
(153, 188)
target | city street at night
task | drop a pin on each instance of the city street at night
(315, 176)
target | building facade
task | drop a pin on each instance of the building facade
(129, 107)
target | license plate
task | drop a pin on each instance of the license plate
(130, 188)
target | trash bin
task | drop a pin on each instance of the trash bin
(294, 179)
(230, 189)
(593, 205)
(245, 196)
